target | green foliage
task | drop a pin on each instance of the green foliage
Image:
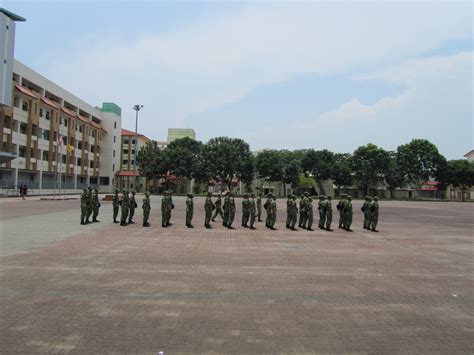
(369, 164)
(226, 158)
(149, 160)
(342, 172)
(182, 157)
(319, 163)
(306, 181)
(461, 174)
(270, 165)
(394, 176)
(419, 160)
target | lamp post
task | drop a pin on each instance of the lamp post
(136, 108)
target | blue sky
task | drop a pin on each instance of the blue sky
(291, 75)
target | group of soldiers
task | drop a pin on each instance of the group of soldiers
(225, 208)
(89, 205)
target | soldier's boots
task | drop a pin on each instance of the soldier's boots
(208, 226)
(146, 224)
(131, 222)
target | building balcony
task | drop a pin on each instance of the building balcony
(7, 152)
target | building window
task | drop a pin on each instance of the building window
(60, 120)
(65, 122)
(46, 134)
(113, 154)
(34, 130)
(125, 151)
(45, 155)
(79, 145)
(115, 125)
(41, 112)
(81, 128)
(22, 151)
(133, 152)
(47, 115)
(132, 162)
(55, 136)
(16, 102)
(63, 158)
(79, 161)
(93, 134)
(24, 106)
(23, 127)
(92, 148)
(125, 162)
(91, 164)
(133, 141)
(114, 139)
(113, 167)
(125, 141)
(65, 140)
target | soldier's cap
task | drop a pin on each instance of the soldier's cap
(190, 195)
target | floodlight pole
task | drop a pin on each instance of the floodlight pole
(136, 108)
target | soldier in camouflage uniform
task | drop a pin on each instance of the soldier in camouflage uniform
(125, 205)
(328, 214)
(208, 207)
(116, 205)
(84, 206)
(96, 206)
(189, 210)
(164, 209)
(293, 213)
(253, 211)
(226, 209)
(170, 208)
(230, 220)
(219, 210)
(322, 211)
(259, 208)
(302, 221)
(272, 212)
(90, 204)
(266, 205)
(339, 207)
(133, 205)
(289, 203)
(365, 210)
(373, 214)
(146, 206)
(245, 211)
(347, 214)
(309, 213)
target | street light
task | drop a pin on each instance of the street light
(136, 108)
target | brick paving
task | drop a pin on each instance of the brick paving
(108, 289)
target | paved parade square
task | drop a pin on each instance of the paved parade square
(102, 288)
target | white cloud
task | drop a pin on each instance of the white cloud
(220, 60)
(437, 105)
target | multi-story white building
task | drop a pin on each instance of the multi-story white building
(58, 139)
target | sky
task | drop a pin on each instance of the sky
(279, 74)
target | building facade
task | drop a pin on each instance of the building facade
(177, 133)
(60, 141)
(129, 177)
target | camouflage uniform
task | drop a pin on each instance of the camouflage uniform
(259, 208)
(84, 206)
(253, 211)
(289, 203)
(267, 207)
(302, 221)
(365, 210)
(189, 210)
(245, 211)
(293, 212)
(116, 205)
(273, 213)
(146, 206)
(96, 206)
(347, 214)
(90, 204)
(339, 207)
(208, 207)
(374, 214)
(133, 205)
(328, 214)
(219, 210)
(226, 209)
(230, 220)
(125, 204)
(322, 211)
(164, 209)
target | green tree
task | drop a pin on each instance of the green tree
(149, 161)
(270, 166)
(461, 174)
(369, 164)
(227, 158)
(342, 172)
(394, 176)
(419, 160)
(320, 163)
(306, 181)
